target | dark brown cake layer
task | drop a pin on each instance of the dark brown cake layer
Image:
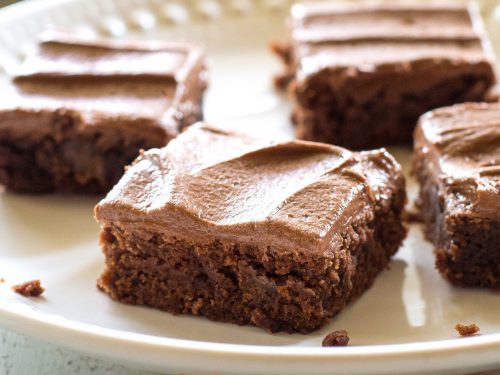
(361, 74)
(456, 161)
(80, 110)
(241, 230)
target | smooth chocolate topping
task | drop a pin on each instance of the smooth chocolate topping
(463, 144)
(106, 83)
(294, 192)
(62, 56)
(366, 37)
(328, 21)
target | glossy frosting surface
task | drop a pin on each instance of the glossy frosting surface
(462, 143)
(226, 182)
(104, 80)
(61, 55)
(364, 36)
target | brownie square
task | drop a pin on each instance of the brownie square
(247, 231)
(456, 161)
(362, 74)
(79, 110)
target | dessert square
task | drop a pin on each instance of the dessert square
(362, 74)
(79, 110)
(456, 161)
(247, 231)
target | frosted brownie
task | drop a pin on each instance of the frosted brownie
(79, 110)
(362, 74)
(457, 163)
(241, 230)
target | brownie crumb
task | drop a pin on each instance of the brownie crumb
(282, 81)
(99, 286)
(284, 50)
(467, 330)
(2, 280)
(336, 338)
(31, 288)
(412, 217)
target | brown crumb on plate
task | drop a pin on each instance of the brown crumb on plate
(412, 217)
(31, 288)
(336, 338)
(467, 330)
(282, 81)
(2, 280)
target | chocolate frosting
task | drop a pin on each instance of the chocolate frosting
(462, 143)
(105, 83)
(209, 181)
(63, 56)
(351, 38)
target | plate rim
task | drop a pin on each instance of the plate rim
(20, 317)
(9, 309)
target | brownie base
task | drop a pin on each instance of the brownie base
(76, 163)
(367, 112)
(466, 248)
(70, 166)
(320, 114)
(72, 160)
(245, 284)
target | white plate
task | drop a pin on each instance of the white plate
(404, 324)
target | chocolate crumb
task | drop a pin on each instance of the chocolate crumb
(100, 287)
(31, 288)
(2, 280)
(412, 217)
(467, 330)
(282, 81)
(282, 49)
(336, 338)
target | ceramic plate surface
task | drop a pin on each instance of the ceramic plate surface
(403, 324)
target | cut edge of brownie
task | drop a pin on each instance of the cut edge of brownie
(323, 114)
(462, 244)
(230, 281)
(69, 157)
